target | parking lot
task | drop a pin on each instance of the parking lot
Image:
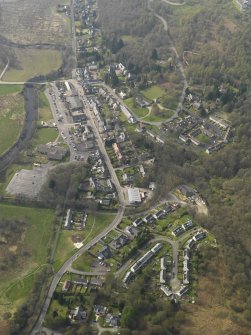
(28, 182)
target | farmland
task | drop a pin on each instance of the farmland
(35, 22)
(32, 63)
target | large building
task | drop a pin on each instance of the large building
(134, 196)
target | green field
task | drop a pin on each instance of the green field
(134, 107)
(33, 63)
(44, 110)
(153, 92)
(162, 115)
(17, 283)
(203, 138)
(65, 247)
(45, 135)
(10, 89)
(11, 116)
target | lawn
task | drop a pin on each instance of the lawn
(159, 116)
(10, 89)
(45, 135)
(134, 107)
(33, 63)
(203, 138)
(153, 92)
(16, 284)
(11, 119)
(65, 247)
(44, 110)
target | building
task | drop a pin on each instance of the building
(77, 314)
(156, 248)
(134, 196)
(137, 222)
(105, 253)
(53, 152)
(186, 253)
(127, 277)
(67, 224)
(81, 282)
(183, 290)
(78, 116)
(166, 290)
(184, 138)
(74, 103)
(219, 122)
(194, 141)
(131, 230)
(142, 261)
(187, 225)
(162, 263)
(56, 153)
(159, 215)
(117, 151)
(200, 236)
(149, 219)
(178, 231)
(190, 243)
(162, 278)
(120, 242)
(66, 286)
(112, 320)
(99, 310)
(142, 103)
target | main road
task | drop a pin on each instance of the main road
(68, 264)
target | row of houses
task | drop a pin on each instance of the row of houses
(141, 262)
(151, 218)
(182, 229)
(187, 254)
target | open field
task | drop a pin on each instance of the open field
(45, 135)
(44, 110)
(10, 89)
(17, 282)
(32, 63)
(11, 116)
(65, 248)
(153, 92)
(34, 22)
(159, 116)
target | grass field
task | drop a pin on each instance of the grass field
(11, 115)
(16, 283)
(134, 107)
(153, 92)
(33, 63)
(44, 110)
(10, 89)
(65, 248)
(45, 135)
(162, 115)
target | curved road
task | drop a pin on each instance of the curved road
(174, 3)
(68, 264)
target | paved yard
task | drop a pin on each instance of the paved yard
(28, 182)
